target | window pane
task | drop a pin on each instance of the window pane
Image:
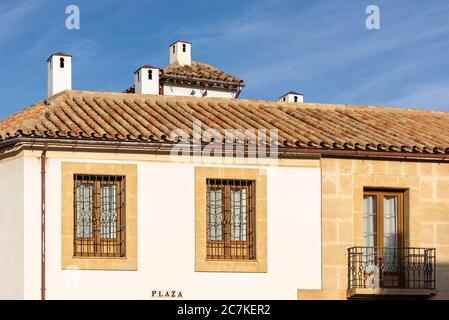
(370, 221)
(390, 221)
(390, 232)
(215, 209)
(84, 212)
(108, 211)
(370, 232)
(238, 214)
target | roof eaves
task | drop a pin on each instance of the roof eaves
(59, 54)
(147, 66)
(195, 79)
(179, 40)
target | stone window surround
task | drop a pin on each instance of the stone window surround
(202, 264)
(68, 261)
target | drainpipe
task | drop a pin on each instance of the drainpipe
(43, 160)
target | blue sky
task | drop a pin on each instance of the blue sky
(321, 48)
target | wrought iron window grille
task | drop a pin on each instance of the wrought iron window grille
(231, 219)
(99, 215)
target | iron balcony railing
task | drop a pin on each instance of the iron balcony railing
(400, 268)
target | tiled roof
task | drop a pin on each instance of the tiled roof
(127, 117)
(198, 73)
(199, 70)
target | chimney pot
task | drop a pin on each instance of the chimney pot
(146, 80)
(59, 73)
(181, 52)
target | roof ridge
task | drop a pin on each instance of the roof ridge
(267, 103)
(124, 116)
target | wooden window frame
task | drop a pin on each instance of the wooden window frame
(389, 278)
(96, 245)
(260, 263)
(227, 248)
(380, 194)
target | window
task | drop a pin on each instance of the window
(61, 62)
(99, 216)
(382, 217)
(183, 47)
(296, 98)
(99, 222)
(230, 219)
(173, 48)
(383, 229)
(150, 74)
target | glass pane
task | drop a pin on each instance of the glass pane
(390, 233)
(370, 221)
(84, 210)
(238, 214)
(390, 221)
(108, 211)
(215, 213)
(370, 232)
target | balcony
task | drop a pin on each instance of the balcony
(376, 272)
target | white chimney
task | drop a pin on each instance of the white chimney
(146, 80)
(181, 52)
(59, 73)
(292, 96)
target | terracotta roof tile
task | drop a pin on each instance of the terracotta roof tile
(97, 115)
(197, 73)
(200, 70)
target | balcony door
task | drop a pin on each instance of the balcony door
(383, 234)
(383, 219)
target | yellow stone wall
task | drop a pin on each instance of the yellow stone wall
(427, 207)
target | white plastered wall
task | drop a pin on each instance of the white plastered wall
(166, 239)
(144, 85)
(177, 90)
(11, 229)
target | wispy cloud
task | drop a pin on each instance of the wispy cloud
(433, 96)
(12, 20)
(319, 47)
(332, 48)
(324, 42)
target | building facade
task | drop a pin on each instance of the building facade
(162, 240)
(422, 226)
(159, 196)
